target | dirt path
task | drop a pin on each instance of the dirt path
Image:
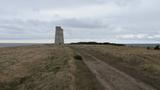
(109, 77)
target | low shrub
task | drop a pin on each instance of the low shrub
(157, 47)
(78, 57)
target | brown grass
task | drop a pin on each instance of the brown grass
(85, 79)
(43, 67)
(33, 68)
(138, 62)
(47, 67)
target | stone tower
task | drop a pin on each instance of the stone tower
(59, 38)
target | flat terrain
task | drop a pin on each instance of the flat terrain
(44, 67)
(79, 67)
(123, 68)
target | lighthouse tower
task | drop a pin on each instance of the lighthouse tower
(59, 38)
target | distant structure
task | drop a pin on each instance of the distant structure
(59, 38)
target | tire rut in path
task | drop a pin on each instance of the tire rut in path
(111, 78)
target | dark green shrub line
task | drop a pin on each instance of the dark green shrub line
(96, 43)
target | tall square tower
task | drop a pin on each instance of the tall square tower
(59, 38)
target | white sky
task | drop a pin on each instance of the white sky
(122, 21)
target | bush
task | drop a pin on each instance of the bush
(157, 47)
(78, 57)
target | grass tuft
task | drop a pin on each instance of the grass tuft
(78, 57)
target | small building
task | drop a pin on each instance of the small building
(59, 38)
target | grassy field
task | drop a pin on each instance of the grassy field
(47, 67)
(139, 62)
(43, 67)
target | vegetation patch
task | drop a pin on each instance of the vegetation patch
(97, 43)
(157, 47)
(138, 62)
(78, 57)
(43, 67)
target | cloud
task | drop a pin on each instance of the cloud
(101, 20)
(132, 36)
